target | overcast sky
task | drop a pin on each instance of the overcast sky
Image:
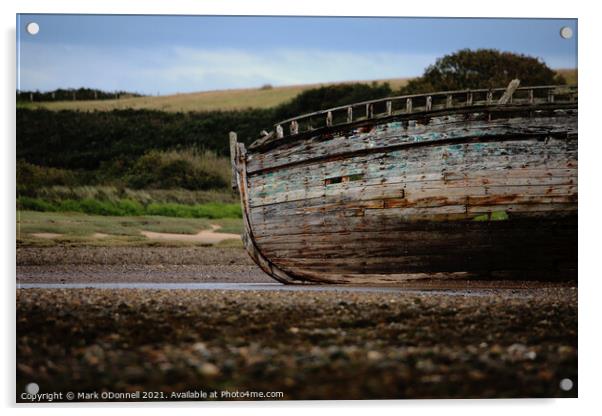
(170, 54)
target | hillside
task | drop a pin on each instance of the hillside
(235, 99)
(569, 74)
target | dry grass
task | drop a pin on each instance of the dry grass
(569, 74)
(200, 101)
(77, 229)
(142, 196)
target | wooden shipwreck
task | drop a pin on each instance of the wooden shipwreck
(477, 183)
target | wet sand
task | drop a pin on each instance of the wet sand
(169, 320)
(168, 265)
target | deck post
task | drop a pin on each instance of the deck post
(279, 131)
(349, 114)
(469, 98)
(294, 127)
(409, 105)
(449, 102)
(233, 157)
(329, 118)
(389, 108)
(507, 97)
(489, 97)
(429, 103)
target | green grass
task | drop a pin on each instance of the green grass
(78, 228)
(235, 99)
(127, 207)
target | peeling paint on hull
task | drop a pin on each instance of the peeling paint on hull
(490, 193)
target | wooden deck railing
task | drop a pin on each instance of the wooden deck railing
(420, 103)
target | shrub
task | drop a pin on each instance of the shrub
(330, 96)
(180, 169)
(31, 177)
(34, 204)
(86, 140)
(481, 68)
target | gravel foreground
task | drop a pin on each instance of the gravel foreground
(307, 345)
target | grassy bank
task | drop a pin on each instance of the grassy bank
(128, 207)
(56, 228)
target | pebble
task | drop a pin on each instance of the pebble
(199, 339)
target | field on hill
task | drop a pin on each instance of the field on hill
(236, 99)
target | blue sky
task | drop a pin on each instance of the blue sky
(170, 54)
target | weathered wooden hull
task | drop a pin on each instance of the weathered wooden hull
(485, 193)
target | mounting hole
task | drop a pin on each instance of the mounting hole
(566, 32)
(32, 28)
(32, 388)
(566, 384)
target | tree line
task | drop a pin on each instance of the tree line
(72, 94)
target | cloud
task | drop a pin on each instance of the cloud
(169, 69)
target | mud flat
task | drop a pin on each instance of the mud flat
(306, 344)
(193, 264)
(85, 264)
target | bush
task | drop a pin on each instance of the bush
(179, 169)
(86, 140)
(31, 177)
(34, 204)
(330, 96)
(481, 68)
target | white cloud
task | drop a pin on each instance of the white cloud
(172, 69)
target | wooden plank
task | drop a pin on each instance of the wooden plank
(233, 143)
(302, 214)
(389, 218)
(397, 187)
(379, 170)
(374, 227)
(395, 133)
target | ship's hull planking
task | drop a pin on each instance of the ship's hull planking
(487, 194)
